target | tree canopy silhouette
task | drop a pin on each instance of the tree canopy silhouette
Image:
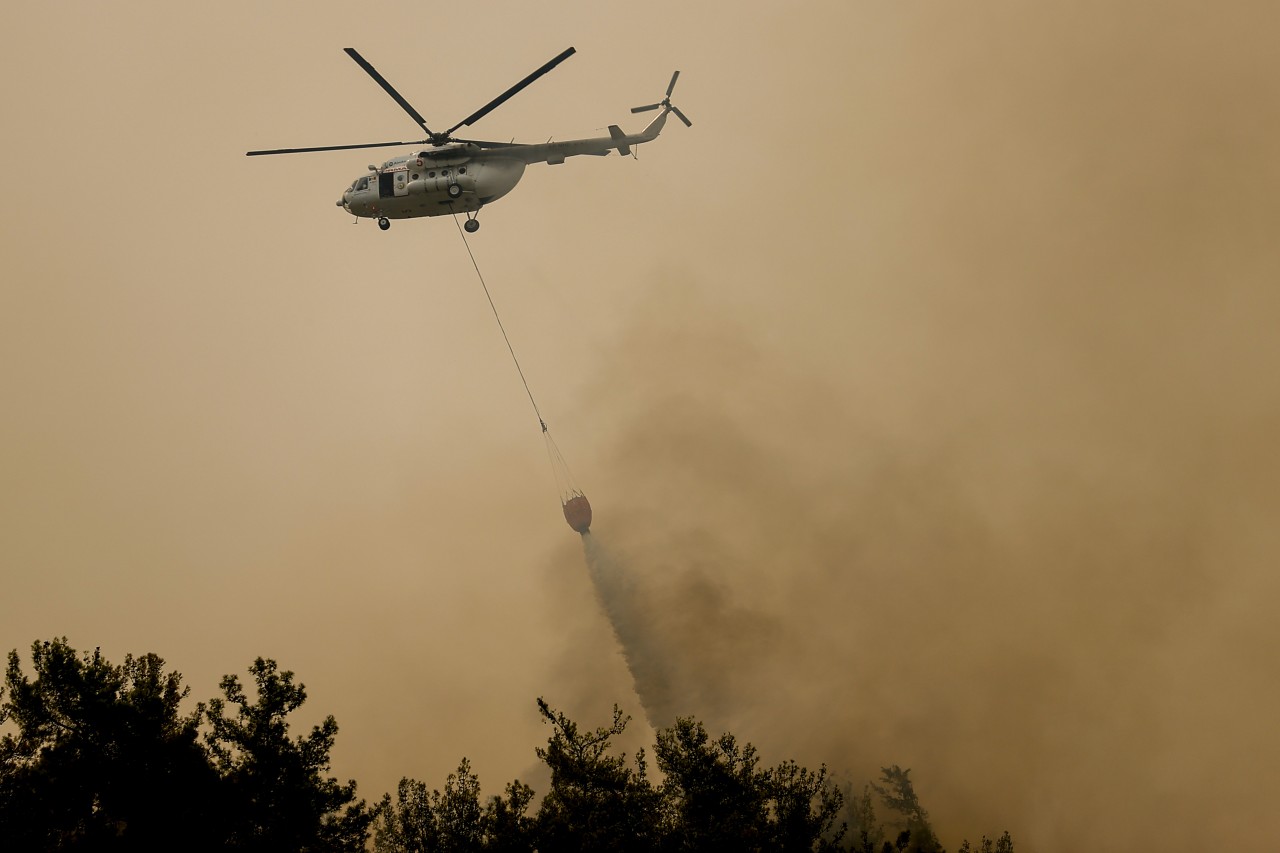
(280, 796)
(100, 757)
(103, 759)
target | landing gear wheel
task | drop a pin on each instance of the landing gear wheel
(471, 226)
(454, 190)
(384, 223)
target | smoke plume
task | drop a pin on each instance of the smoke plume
(1045, 598)
(683, 639)
(983, 462)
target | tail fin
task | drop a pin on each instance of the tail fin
(616, 134)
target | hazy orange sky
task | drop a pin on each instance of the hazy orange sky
(927, 384)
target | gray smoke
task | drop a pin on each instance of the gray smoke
(621, 600)
(682, 636)
(987, 442)
(1039, 604)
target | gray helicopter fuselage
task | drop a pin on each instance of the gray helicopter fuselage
(437, 181)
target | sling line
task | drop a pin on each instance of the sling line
(502, 329)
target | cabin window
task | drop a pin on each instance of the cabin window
(462, 170)
(415, 176)
(431, 174)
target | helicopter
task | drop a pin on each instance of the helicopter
(452, 175)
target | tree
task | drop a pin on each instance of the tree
(1004, 844)
(860, 817)
(717, 793)
(804, 808)
(899, 797)
(99, 757)
(407, 825)
(508, 826)
(596, 801)
(715, 796)
(721, 799)
(453, 821)
(102, 759)
(275, 793)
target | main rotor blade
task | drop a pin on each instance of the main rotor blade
(672, 84)
(498, 101)
(481, 143)
(333, 148)
(389, 89)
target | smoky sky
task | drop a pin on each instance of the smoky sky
(926, 387)
(994, 489)
(1036, 622)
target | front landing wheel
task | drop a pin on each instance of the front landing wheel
(471, 226)
(384, 223)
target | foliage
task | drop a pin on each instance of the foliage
(899, 797)
(453, 821)
(100, 757)
(282, 800)
(595, 801)
(805, 806)
(715, 796)
(715, 789)
(1004, 844)
(866, 834)
(103, 759)
(509, 826)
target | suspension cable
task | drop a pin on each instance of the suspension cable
(501, 328)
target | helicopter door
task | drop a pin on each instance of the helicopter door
(402, 182)
(386, 184)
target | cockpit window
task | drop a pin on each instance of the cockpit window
(362, 184)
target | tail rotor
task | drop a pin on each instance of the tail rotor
(666, 104)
